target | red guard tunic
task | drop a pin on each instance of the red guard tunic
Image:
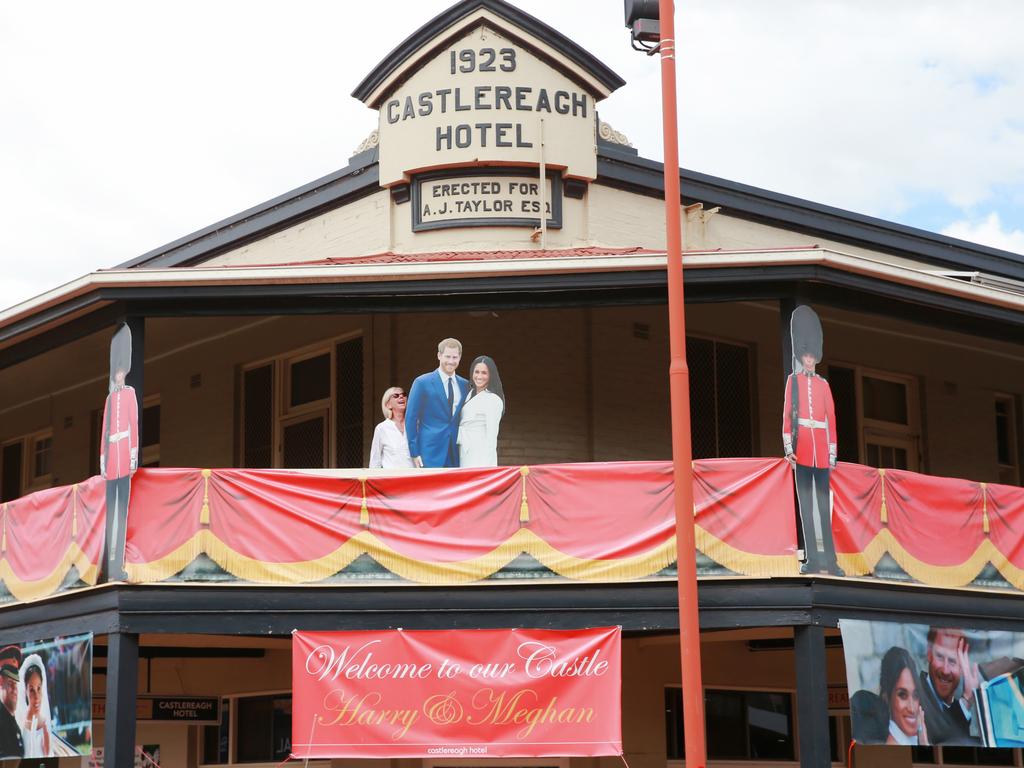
(119, 439)
(816, 436)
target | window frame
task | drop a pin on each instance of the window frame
(323, 414)
(744, 761)
(283, 413)
(888, 433)
(1013, 417)
(150, 454)
(30, 480)
(751, 349)
(232, 699)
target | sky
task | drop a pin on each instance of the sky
(126, 125)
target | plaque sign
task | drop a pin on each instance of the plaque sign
(492, 198)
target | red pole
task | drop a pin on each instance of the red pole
(679, 397)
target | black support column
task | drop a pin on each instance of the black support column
(811, 696)
(122, 690)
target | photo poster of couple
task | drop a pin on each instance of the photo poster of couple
(444, 419)
(47, 698)
(914, 684)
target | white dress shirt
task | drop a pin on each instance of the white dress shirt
(456, 389)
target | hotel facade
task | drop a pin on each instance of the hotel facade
(262, 345)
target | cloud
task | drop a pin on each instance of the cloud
(126, 126)
(988, 231)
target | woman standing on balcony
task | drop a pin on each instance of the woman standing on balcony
(481, 415)
(390, 449)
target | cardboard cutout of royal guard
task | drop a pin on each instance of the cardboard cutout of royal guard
(119, 450)
(809, 439)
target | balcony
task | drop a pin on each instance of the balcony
(586, 522)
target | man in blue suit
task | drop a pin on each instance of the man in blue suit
(435, 406)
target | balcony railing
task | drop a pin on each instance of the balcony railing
(585, 522)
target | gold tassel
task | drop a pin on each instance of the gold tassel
(984, 507)
(204, 513)
(524, 508)
(364, 512)
(884, 511)
(74, 511)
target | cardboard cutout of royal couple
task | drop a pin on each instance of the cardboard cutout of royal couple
(446, 420)
(119, 450)
(809, 440)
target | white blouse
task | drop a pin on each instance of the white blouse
(390, 449)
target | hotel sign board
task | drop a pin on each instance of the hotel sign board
(496, 197)
(194, 710)
(484, 100)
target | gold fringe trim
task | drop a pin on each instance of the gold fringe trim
(884, 513)
(364, 512)
(859, 564)
(746, 563)
(984, 508)
(621, 569)
(524, 507)
(204, 513)
(241, 566)
(443, 573)
(33, 590)
(454, 572)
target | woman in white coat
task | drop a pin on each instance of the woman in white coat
(481, 415)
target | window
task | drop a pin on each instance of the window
(977, 756)
(304, 410)
(1007, 446)
(876, 417)
(215, 738)
(720, 398)
(42, 458)
(26, 465)
(840, 735)
(150, 456)
(741, 725)
(264, 729)
(11, 470)
(261, 731)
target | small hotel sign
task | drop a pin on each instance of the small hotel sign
(490, 199)
(195, 710)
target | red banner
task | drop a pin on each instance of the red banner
(457, 693)
(47, 533)
(599, 522)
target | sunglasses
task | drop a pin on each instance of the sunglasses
(397, 394)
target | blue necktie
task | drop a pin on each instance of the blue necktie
(451, 397)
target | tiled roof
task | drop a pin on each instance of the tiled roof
(389, 257)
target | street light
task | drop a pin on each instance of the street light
(652, 24)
